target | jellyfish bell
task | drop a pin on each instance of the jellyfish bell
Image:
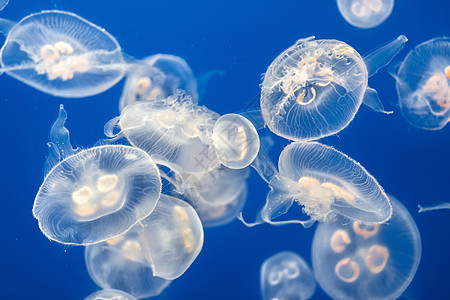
(157, 77)
(61, 54)
(110, 294)
(315, 87)
(365, 13)
(352, 260)
(423, 84)
(326, 183)
(286, 275)
(175, 132)
(92, 195)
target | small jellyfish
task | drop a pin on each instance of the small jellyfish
(314, 88)
(156, 250)
(96, 194)
(235, 140)
(354, 260)
(434, 207)
(326, 183)
(158, 77)
(110, 294)
(423, 84)
(285, 276)
(175, 132)
(365, 13)
(61, 54)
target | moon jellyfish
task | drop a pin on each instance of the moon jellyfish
(235, 140)
(315, 87)
(423, 84)
(62, 54)
(96, 194)
(434, 207)
(326, 183)
(175, 132)
(361, 261)
(158, 77)
(110, 294)
(365, 13)
(285, 276)
(3, 4)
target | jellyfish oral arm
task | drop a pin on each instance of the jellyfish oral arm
(434, 207)
(372, 101)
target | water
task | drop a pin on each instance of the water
(241, 38)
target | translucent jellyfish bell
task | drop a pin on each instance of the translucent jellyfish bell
(365, 13)
(175, 132)
(286, 275)
(61, 54)
(315, 87)
(326, 183)
(96, 194)
(235, 140)
(110, 294)
(360, 261)
(423, 84)
(158, 77)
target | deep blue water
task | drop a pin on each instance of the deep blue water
(241, 38)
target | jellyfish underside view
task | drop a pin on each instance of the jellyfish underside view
(110, 294)
(365, 13)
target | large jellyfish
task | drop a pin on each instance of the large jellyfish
(158, 77)
(326, 182)
(159, 248)
(93, 195)
(423, 84)
(353, 260)
(315, 87)
(61, 54)
(285, 276)
(110, 294)
(365, 13)
(175, 132)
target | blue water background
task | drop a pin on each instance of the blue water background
(241, 38)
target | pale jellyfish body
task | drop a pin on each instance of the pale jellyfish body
(158, 77)
(286, 276)
(96, 194)
(236, 141)
(62, 54)
(110, 294)
(360, 261)
(314, 88)
(175, 132)
(365, 13)
(326, 183)
(423, 84)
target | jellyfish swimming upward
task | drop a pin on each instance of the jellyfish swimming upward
(315, 87)
(365, 13)
(61, 54)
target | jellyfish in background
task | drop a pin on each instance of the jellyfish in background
(110, 294)
(365, 13)
(92, 195)
(314, 88)
(353, 260)
(326, 183)
(423, 84)
(61, 54)
(158, 77)
(175, 132)
(285, 276)
(156, 250)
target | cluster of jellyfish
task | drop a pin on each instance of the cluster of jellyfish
(139, 236)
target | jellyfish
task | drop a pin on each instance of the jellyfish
(314, 88)
(326, 183)
(365, 13)
(285, 276)
(175, 132)
(355, 260)
(61, 54)
(158, 77)
(423, 84)
(96, 194)
(434, 207)
(3, 4)
(110, 294)
(235, 140)
(156, 250)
